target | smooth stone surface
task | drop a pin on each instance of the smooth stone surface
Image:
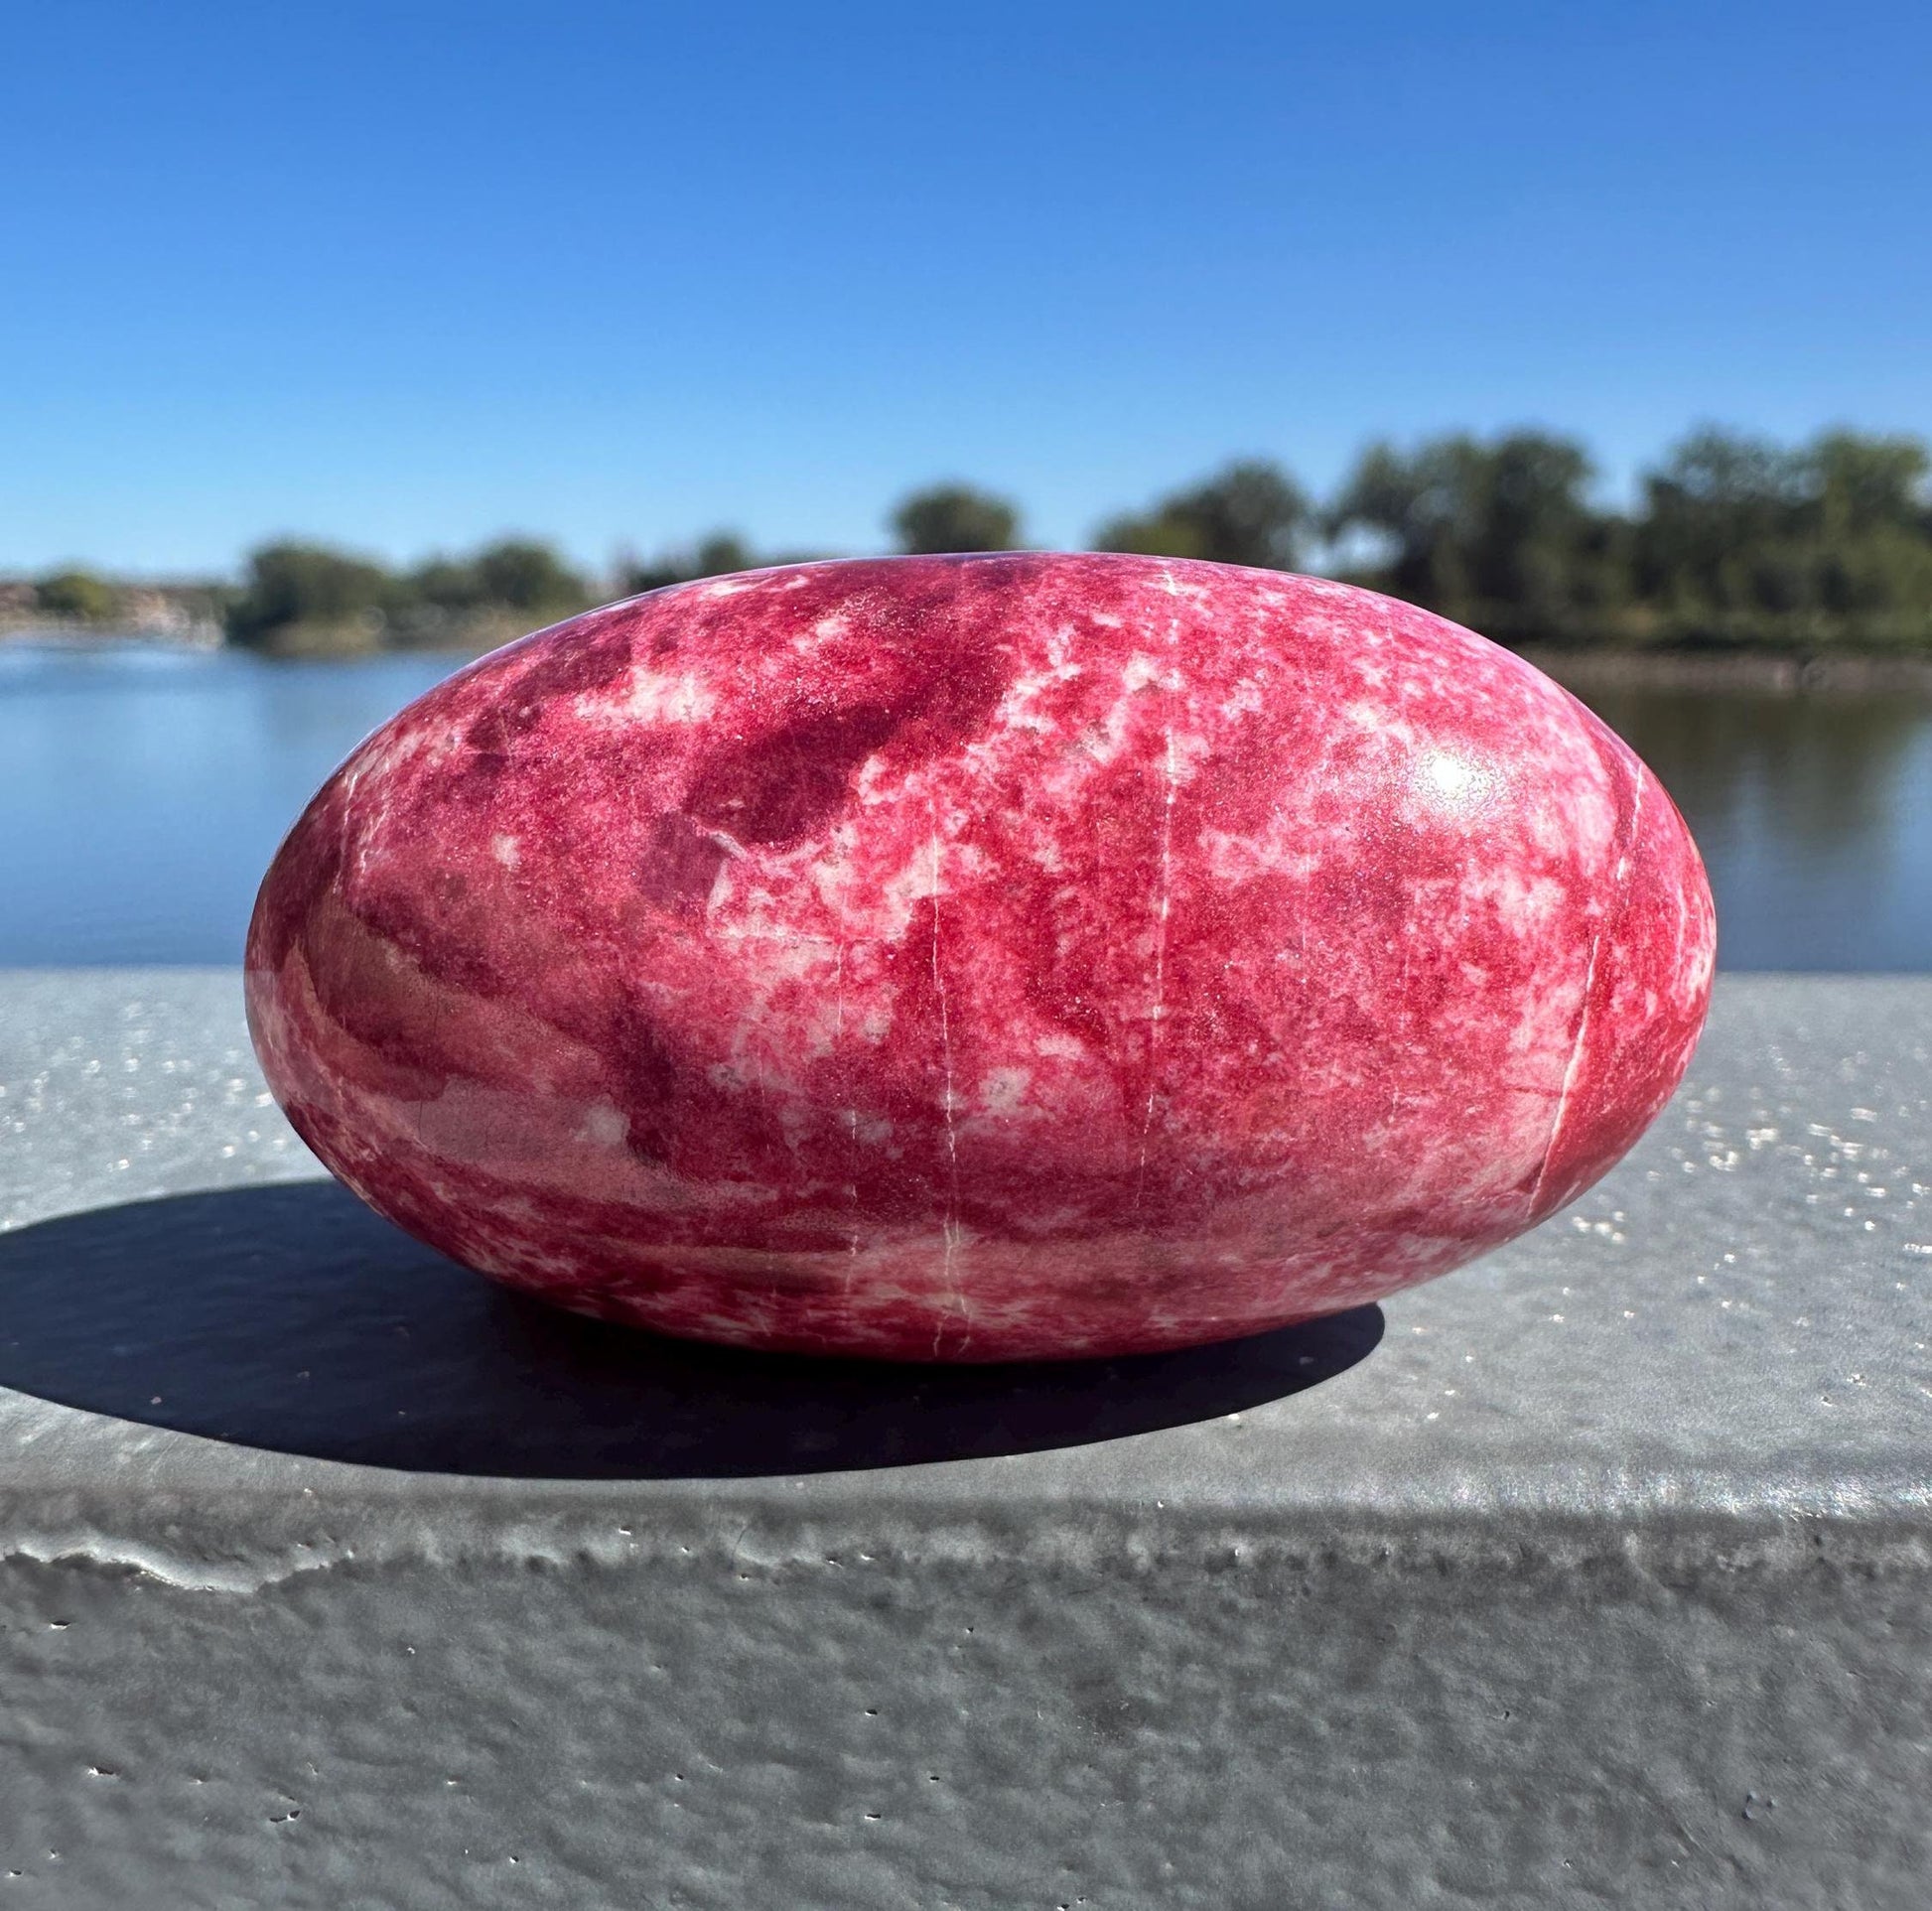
(971, 959)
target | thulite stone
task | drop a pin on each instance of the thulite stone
(981, 958)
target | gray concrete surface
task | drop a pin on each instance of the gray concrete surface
(1599, 1573)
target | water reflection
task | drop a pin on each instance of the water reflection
(1814, 813)
(1825, 771)
(142, 792)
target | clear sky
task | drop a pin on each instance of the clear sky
(405, 276)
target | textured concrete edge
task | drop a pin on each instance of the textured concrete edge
(258, 1544)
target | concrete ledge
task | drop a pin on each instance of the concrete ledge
(1599, 1573)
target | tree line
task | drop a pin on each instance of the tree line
(1732, 541)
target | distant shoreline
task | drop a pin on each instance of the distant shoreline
(45, 634)
(1762, 673)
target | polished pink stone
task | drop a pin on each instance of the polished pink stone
(981, 958)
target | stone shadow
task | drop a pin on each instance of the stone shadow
(291, 1317)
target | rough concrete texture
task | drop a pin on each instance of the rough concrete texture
(1599, 1573)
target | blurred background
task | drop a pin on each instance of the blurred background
(340, 344)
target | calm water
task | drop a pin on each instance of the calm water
(142, 793)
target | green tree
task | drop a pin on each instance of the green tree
(1723, 519)
(448, 584)
(76, 594)
(1863, 483)
(1251, 513)
(1497, 535)
(945, 518)
(290, 585)
(1873, 572)
(513, 574)
(1745, 541)
(717, 555)
(521, 574)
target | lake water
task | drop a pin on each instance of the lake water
(143, 790)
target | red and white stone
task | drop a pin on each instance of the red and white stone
(981, 958)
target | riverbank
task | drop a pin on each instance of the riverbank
(55, 633)
(301, 643)
(1752, 672)
(1765, 673)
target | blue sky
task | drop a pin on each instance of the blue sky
(408, 276)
